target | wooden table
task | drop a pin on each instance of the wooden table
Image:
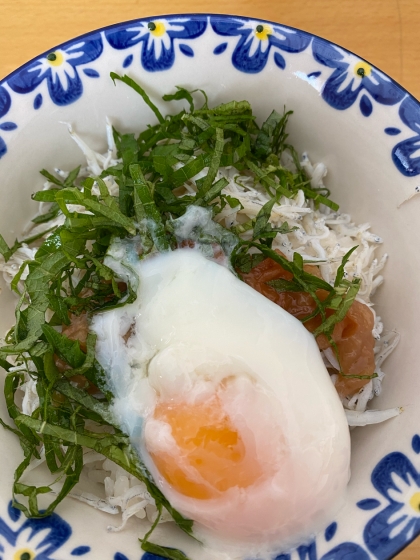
(385, 32)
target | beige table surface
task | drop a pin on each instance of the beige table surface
(385, 32)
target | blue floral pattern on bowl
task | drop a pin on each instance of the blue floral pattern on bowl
(256, 40)
(406, 154)
(59, 69)
(398, 482)
(385, 533)
(34, 539)
(397, 522)
(5, 102)
(146, 556)
(157, 39)
(344, 551)
(344, 79)
(352, 79)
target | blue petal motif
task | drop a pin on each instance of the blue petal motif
(62, 96)
(80, 550)
(89, 50)
(381, 533)
(343, 551)
(155, 64)
(392, 131)
(382, 90)
(91, 72)
(366, 106)
(5, 530)
(377, 533)
(52, 532)
(14, 513)
(8, 126)
(346, 551)
(124, 38)
(402, 157)
(38, 101)
(5, 101)
(185, 49)
(368, 504)
(330, 531)
(307, 552)
(244, 61)
(3, 147)
(279, 60)
(393, 464)
(59, 532)
(55, 532)
(74, 54)
(415, 444)
(402, 153)
(128, 60)
(220, 48)
(287, 40)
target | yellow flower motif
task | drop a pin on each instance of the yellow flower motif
(55, 58)
(24, 554)
(415, 502)
(362, 69)
(263, 31)
(157, 28)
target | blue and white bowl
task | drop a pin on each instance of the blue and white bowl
(348, 114)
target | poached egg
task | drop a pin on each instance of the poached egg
(227, 401)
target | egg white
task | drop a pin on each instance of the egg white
(193, 324)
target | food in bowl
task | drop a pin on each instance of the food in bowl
(154, 327)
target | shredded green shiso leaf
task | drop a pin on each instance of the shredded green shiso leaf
(154, 165)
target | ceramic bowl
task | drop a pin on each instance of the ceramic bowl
(347, 114)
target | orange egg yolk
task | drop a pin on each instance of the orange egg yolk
(211, 453)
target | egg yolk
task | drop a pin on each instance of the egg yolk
(212, 455)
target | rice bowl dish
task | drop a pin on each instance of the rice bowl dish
(320, 234)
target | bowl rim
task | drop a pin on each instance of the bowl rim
(4, 80)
